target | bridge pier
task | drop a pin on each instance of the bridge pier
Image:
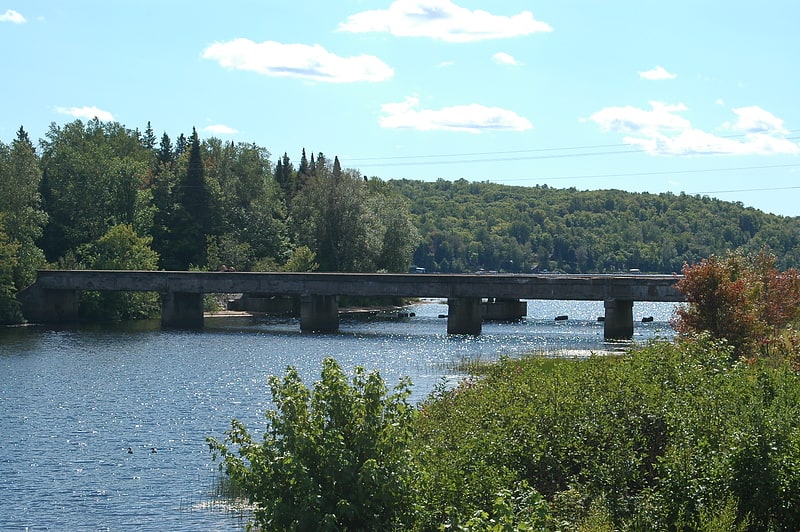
(464, 315)
(182, 310)
(319, 313)
(504, 309)
(618, 324)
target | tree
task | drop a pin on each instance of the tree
(91, 176)
(9, 307)
(21, 206)
(119, 249)
(190, 225)
(334, 220)
(335, 458)
(742, 299)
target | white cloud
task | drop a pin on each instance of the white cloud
(87, 113)
(662, 131)
(502, 58)
(657, 73)
(754, 119)
(442, 19)
(303, 61)
(630, 119)
(12, 16)
(472, 118)
(220, 129)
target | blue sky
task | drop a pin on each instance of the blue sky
(699, 96)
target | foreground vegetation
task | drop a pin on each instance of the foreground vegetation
(668, 437)
(700, 434)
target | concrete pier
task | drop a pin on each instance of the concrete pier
(464, 315)
(618, 324)
(319, 313)
(182, 310)
(495, 309)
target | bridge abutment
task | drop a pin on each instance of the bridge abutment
(464, 315)
(618, 324)
(40, 305)
(182, 310)
(319, 313)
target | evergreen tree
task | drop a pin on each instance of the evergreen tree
(284, 176)
(181, 145)
(337, 168)
(303, 169)
(165, 156)
(192, 221)
(149, 138)
(21, 206)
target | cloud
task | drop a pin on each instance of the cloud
(87, 113)
(302, 61)
(220, 129)
(502, 58)
(443, 20)
(663, 131)
(12, 16)
(473, 118)
(657, 73)
(630, 119)
(754, 119)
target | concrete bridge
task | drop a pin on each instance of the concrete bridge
(53, 297)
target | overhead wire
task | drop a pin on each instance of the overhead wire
(546, 153)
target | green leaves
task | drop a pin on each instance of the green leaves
(333, 458)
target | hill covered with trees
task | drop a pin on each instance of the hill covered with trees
(467, 226)
(100, 195)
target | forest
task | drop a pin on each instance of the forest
(99, 195)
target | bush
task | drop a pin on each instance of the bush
(668, 437)
(744, 300)
(335, 458)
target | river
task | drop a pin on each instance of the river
(104, 428)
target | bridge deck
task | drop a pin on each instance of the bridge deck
(633, 287)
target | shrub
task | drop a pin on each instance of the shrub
(666, 437)
(744, 300)
(335, 458)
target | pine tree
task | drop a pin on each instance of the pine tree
(149, 138)
(165, 156)
(337, 168)
(193, 212)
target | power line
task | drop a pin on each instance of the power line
(419, 159)
(662, 172)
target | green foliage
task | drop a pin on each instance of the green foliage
(302, 260)
(119, 249)
(466, 226)
(9, 307)
(91, 175)
(745, 300)
(352, 225)
(335, 458)
(668, 437)
(21, 206)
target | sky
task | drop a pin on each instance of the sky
(681, 96)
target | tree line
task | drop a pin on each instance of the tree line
(468, 226)
(100, 195)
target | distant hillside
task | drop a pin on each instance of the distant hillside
(468, 226)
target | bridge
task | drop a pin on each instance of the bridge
(53, 298)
